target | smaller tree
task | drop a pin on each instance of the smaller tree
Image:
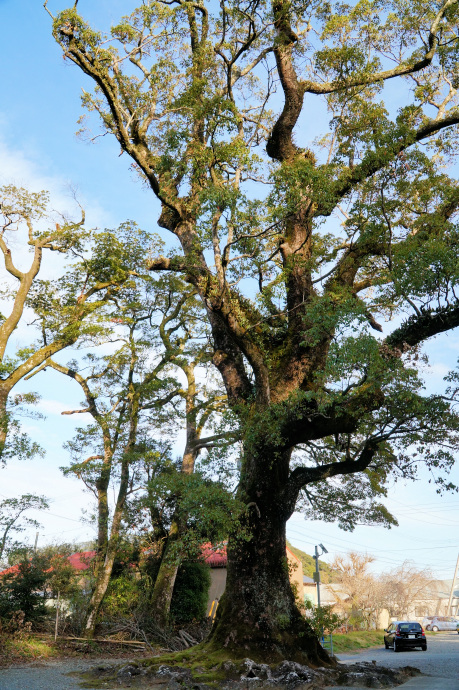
(14, 521)
(322, 619)
(357, 590)
(20, 213)
(22, 588)
(402, 586)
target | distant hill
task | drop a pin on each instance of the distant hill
(309, 565)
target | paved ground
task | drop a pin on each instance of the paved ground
(441, 660)
(51, 675)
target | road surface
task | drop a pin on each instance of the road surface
(441, 658)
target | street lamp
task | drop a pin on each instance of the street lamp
(316, 577)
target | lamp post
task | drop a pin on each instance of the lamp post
(316, 577)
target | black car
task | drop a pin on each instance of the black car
(404, 634)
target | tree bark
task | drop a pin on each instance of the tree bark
(99, 592)
(258, 614)
(163, 589)
(171, 559)
(104, 569)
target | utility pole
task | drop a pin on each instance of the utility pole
(448, 608)
(36, 542)
(316, 577)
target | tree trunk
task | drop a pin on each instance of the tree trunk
(98, 594)
(104, 569)
(171, 558)
(258, 616)
(164, 584)
(3, 418)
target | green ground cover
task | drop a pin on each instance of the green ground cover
(353, 641)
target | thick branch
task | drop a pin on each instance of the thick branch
(375, 161)
(280, 145)
(301, 476)
(419, 328)
(410, 66)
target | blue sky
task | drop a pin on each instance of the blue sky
(39, 108)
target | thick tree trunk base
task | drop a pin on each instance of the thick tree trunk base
(268, 644)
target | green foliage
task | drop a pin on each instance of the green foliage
(130, 589)
(205, 506)
(122, 597)
(189, 599)
(322, 619)
(23, 589)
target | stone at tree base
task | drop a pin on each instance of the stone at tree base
(128, 671)
(249, 675)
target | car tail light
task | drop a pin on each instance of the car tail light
(422, 630)
(397, 634)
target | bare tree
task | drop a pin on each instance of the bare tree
(404, 586)
(357, 590)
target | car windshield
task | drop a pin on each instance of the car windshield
(408, 627)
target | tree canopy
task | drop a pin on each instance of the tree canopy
(300, 242)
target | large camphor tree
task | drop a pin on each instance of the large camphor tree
(302, 154)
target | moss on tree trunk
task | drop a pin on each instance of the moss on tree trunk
(258, 615)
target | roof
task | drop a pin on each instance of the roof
(9, 571)
(215, 555)
(308, 580)
(80, 560)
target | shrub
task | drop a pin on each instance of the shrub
(322, 619)
(189, 600)
(23, 590)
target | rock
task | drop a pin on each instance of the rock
(290, 672)
(128, 671)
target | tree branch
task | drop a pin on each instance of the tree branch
(409, 66)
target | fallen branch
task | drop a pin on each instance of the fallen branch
(95, 639)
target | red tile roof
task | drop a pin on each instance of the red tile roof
(215, 556)
(80, 561)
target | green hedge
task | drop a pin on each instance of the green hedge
(189, 600)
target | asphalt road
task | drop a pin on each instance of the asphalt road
(440, 659)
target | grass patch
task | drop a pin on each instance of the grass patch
(353, 641)
(25, 648)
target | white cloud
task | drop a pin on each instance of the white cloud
(438, 369)
(24, 169)
(56, 407)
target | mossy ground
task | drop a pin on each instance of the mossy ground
(204, 662)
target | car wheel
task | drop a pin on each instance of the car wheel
(435, 628)
(427, 627)
(424, 648)
(396, 649)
